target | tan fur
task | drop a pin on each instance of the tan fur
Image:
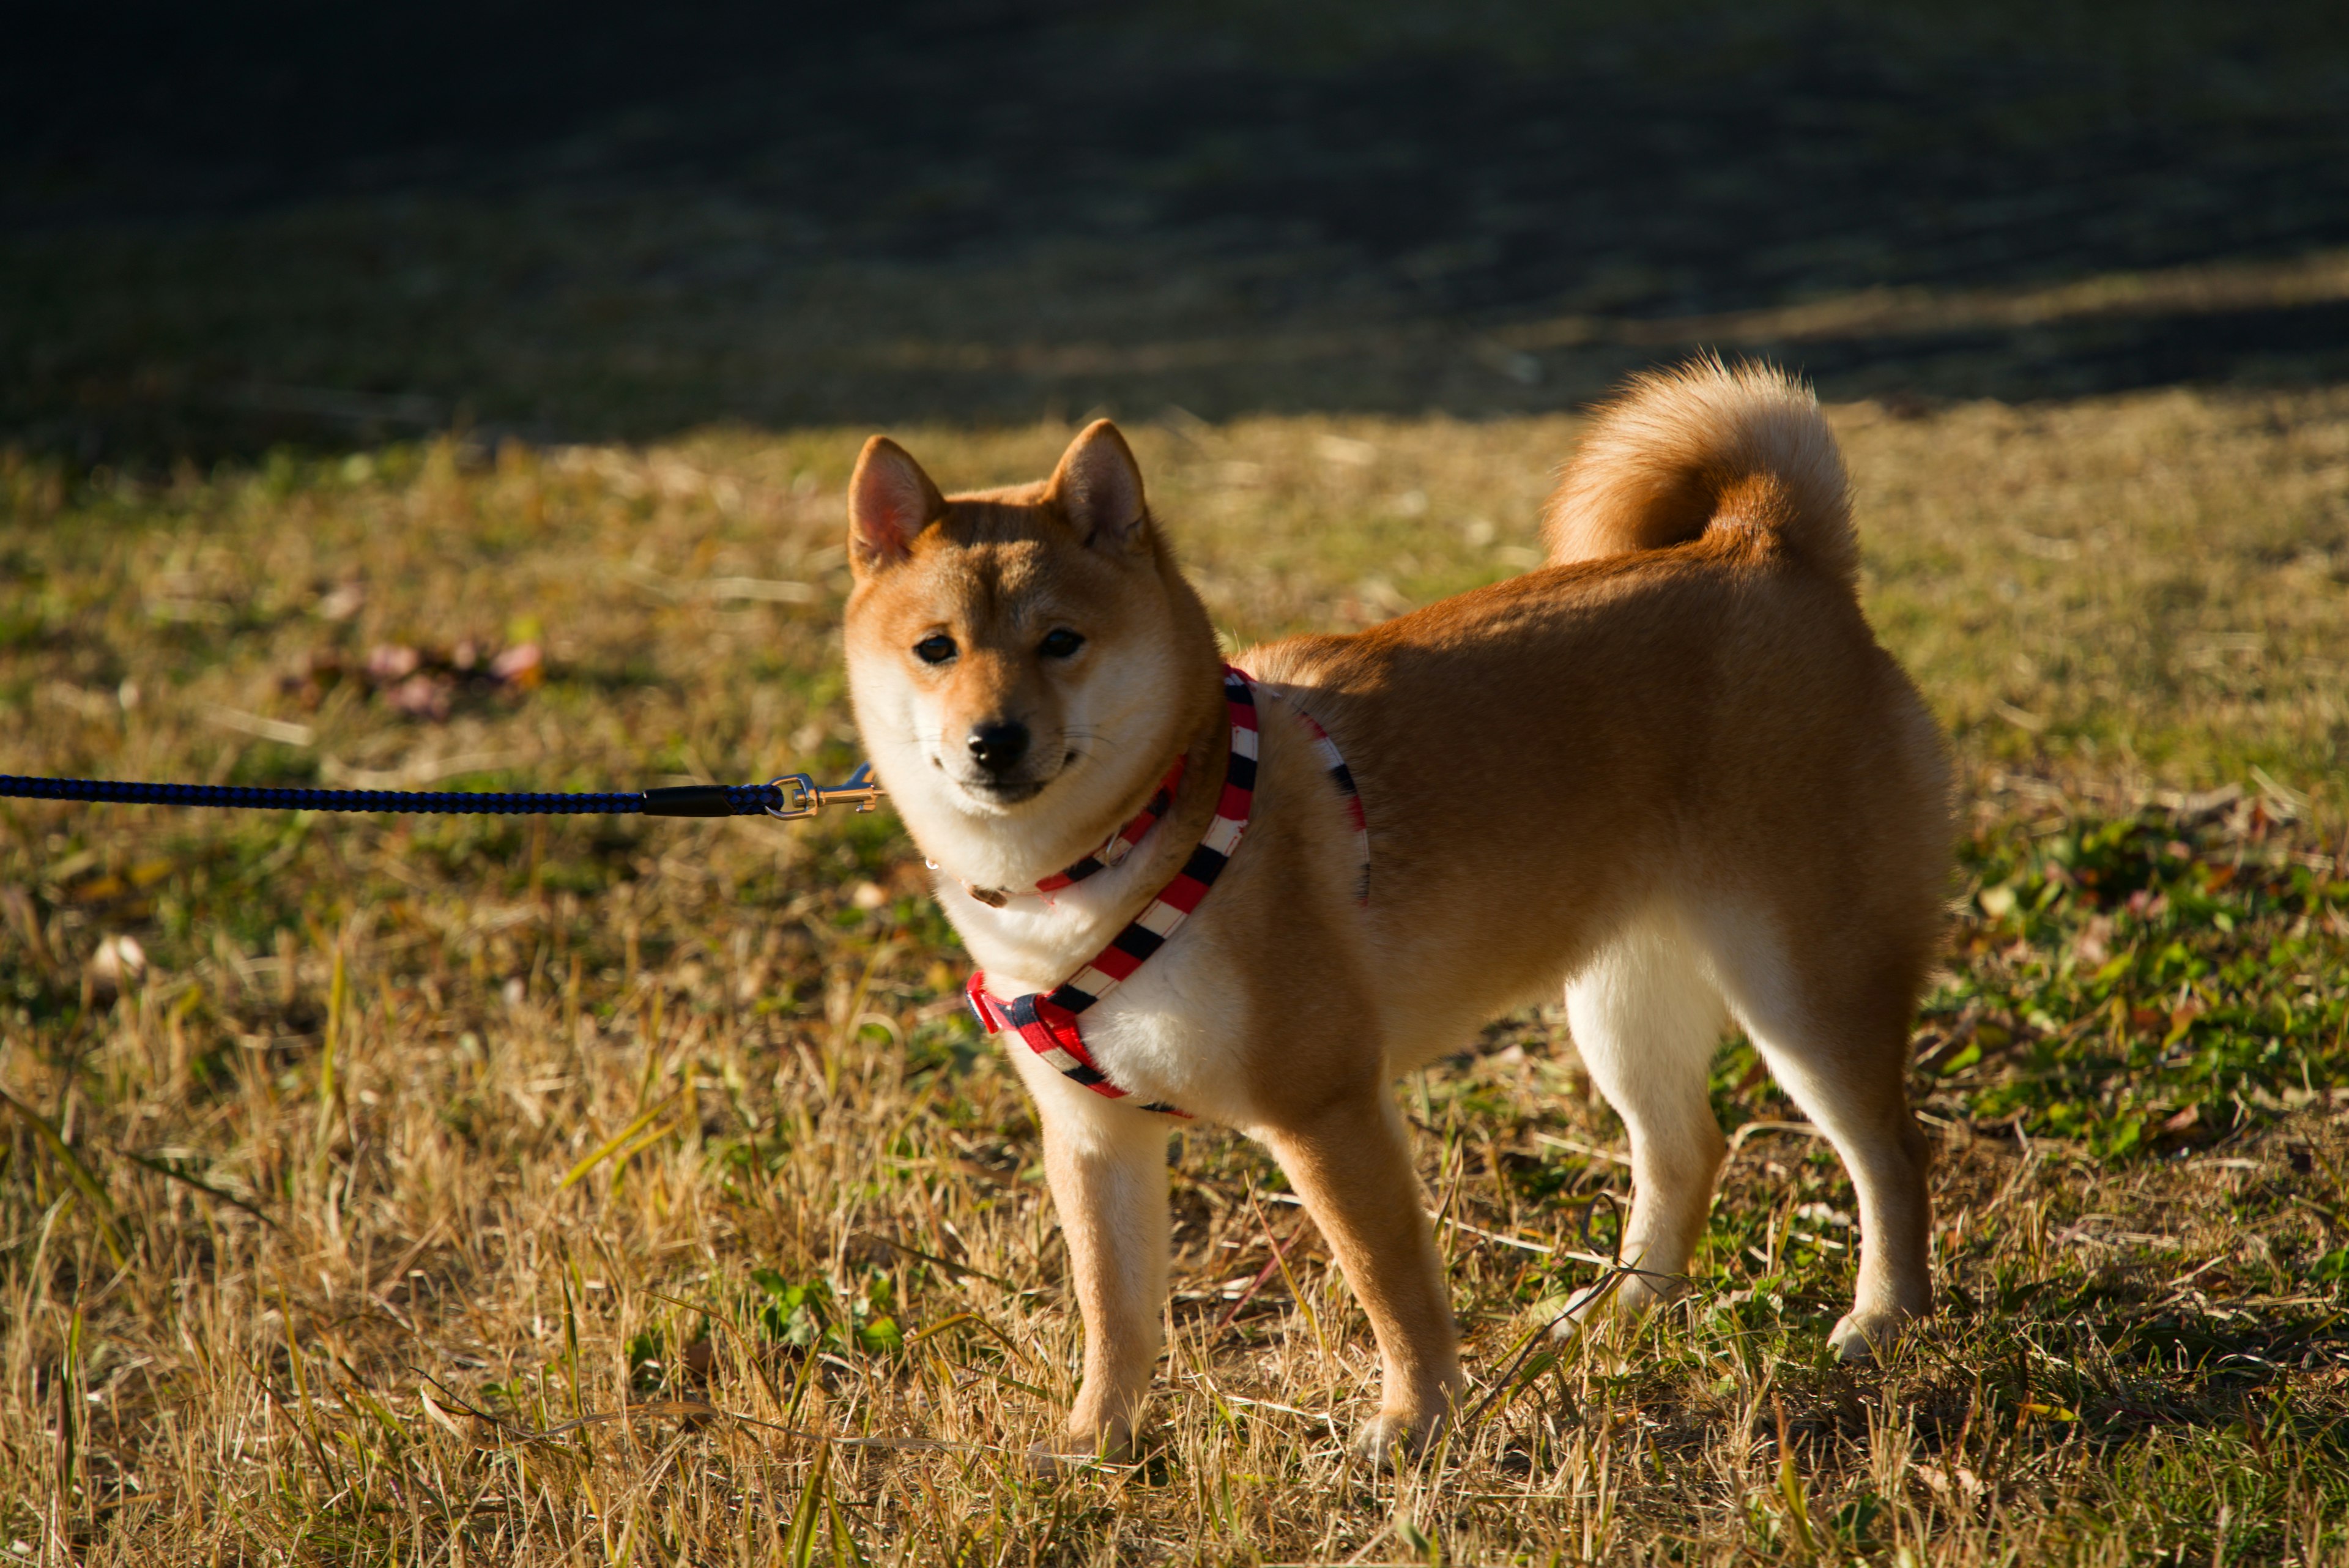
(1660, 465)
(1671, 772)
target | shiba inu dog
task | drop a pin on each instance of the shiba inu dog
(1670, 772)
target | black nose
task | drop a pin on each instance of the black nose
(997, 747)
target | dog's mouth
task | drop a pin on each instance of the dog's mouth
(1006, 789)
(1004, 792)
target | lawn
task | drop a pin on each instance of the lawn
(441, 397)
(484, 1189)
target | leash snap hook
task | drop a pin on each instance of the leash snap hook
(802, 797)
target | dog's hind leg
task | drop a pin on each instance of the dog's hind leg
(1835, 1030)
(1646, 1020)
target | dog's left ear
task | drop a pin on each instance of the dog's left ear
(1098, 488)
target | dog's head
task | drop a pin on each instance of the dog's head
(1024, 662)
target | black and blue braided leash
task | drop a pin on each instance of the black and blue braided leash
(791, 797)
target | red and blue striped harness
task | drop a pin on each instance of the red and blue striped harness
(1047, 1020)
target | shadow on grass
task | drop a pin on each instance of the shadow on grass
(330, 228)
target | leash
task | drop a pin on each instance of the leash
(1046, 1022)
(788, 798)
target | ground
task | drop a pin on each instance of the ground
(390, 1190)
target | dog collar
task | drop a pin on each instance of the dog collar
(1047, 1020)
(1121, 843)
(1116, 847)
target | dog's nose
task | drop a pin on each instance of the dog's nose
(998, 745)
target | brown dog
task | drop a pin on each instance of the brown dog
(1696, 791)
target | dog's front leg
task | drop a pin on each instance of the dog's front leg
(1107, 1164)
(1352, 1164)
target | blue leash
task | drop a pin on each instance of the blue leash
(791, 797)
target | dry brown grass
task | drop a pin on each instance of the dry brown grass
(412, 1205)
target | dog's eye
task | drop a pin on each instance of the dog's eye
(935, 648)
(1059, 643)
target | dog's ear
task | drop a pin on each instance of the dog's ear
(1098, 488)
(890, 499)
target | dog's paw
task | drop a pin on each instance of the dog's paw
(1392, 1437)
(1048, 1462)
(1580, 1328)
(1594, 1339)
(1075, 1451)
(1858, 1338)
(1622, 1304)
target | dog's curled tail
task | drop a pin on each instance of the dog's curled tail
(1703, 447)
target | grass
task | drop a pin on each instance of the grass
(611, 1191)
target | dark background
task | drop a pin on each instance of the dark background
(227, 227)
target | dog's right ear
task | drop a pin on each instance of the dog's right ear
(890, 499)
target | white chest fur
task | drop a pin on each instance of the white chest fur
(1170, 1032)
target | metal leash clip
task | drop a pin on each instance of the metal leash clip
(802, 797)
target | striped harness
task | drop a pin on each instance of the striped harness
(1333, 761)
(1047, 1020)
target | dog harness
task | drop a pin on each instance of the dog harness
(1048, 1020)
(1333, 761)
